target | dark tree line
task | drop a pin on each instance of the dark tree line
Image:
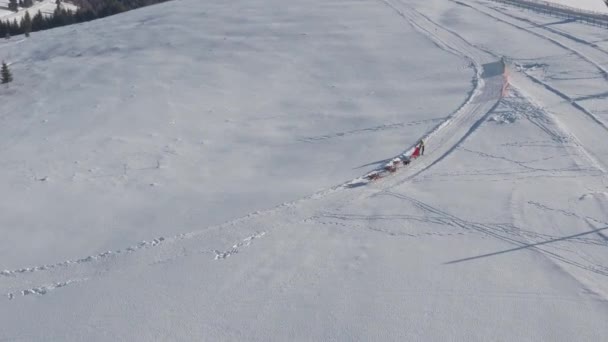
(14, 5)
(87, 10)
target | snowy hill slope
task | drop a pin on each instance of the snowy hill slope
(46, 7)
(166, 127)
(589, 5)
(221, 134)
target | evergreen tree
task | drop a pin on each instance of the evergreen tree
(13, 5)
(26, 24)
(28, 3)
(15, 28)
(38, 22)
(6, 74)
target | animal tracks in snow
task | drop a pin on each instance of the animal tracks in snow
(90, 258)
(49, 286)
(42, 290)
(235, 249)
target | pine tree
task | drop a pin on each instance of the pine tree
(15, 27)
(6, 74)
(38, 22)
(13, 5)
(26, 24)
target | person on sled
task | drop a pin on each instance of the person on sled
(418, 150)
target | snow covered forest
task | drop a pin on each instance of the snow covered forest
(32, 16)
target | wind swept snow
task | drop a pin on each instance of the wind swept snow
(223, 137)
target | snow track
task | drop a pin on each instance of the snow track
(500, 224)
(585, 16)
(490, 84)
(577, 119)
(595, 56)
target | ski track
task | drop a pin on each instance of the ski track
(555, 40)
(514, 235)
(551, 29)
(379, 128)
(585, 55)
(565, 12)
(566, 213)
(570, 124)
(575, 50)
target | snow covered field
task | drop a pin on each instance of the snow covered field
(46, 7)
(177, 173)
(589, 5)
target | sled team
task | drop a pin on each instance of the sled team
(418, 151)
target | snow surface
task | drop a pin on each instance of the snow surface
(589, 5)
(182, 172)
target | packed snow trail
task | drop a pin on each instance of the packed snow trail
(593, 55)
(589, 130)
(490, 85)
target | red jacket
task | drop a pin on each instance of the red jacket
(416, 152)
